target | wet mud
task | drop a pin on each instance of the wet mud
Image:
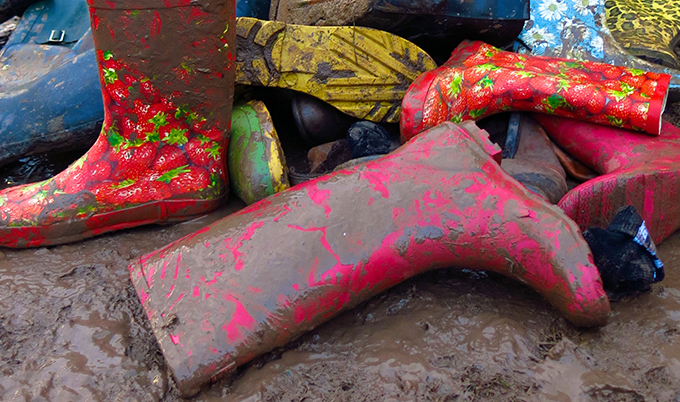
(72, 328)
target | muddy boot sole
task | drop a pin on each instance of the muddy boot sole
(362, 72)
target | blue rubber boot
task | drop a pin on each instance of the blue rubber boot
(50, 96)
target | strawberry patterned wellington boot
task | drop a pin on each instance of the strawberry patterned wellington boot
(635, 170)
(228, 293)
(480, 80)
(167, 79)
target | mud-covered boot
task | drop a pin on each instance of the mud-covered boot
(267, 274)
(480, 80)
(648, 29)
(578, 30)
(361, 71)
(161, 153)
(635, 170)
(257, 166)
(535, 164)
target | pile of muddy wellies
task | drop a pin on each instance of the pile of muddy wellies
(405, 201)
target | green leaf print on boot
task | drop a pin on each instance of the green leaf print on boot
(161, 153)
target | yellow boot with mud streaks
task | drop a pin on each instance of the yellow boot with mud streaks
(361, 71)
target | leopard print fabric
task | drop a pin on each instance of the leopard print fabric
(649, 29)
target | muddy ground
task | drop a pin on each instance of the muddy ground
(71, 328)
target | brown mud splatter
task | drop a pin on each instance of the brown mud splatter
(71, 328)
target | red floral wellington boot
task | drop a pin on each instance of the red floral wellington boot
(228, 293)
(635, 170)
(167, 79)
(480, 80)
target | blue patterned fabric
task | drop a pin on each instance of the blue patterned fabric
(566, 28)
(576, 29)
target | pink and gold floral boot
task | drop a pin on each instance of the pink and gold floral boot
(167, 79)
(480, 80)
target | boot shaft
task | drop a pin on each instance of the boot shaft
(480, 80)
(636, 170)
(175, 58)
(265, 275)
(607, 149)
(167, 83)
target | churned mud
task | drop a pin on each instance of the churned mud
(71, 329)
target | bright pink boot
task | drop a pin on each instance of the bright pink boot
(167, 81)
(267, 274)
(636, 170)
(480, 80)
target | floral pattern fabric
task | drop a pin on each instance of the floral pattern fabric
(577, 29)
(565, 28)
(480, 80)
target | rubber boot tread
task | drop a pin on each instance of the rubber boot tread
(361, 71)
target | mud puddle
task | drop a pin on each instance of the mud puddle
(71, 329)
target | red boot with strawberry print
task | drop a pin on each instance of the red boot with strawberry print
(161, 153)
(480, 80)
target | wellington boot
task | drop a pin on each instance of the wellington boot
(636, 170)
(480, 80)
(648, 29)
(267, 274)
(50, 96)
(257, 166)
(361, 71)
(578, 30)
(535, 164)
(575, 169)
(161, 153)
(317, 122)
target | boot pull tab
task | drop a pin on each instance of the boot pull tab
(513, 137)
(56, 37)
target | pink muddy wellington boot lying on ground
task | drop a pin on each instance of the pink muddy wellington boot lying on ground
(636, 170)
(269, 273)
(480, 80)
(167, 81)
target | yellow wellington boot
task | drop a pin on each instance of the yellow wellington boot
(649, 29)
(361, 71)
